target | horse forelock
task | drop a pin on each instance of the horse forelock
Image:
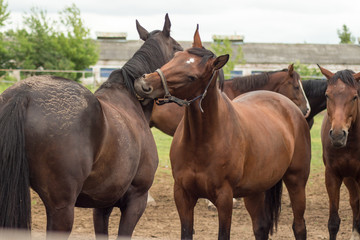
(346, 76)
(203, 53)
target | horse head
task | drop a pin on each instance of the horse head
(186, 76)
(290, 85)
(342, 95)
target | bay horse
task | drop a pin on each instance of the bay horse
(76, 148)
(223, 149)
(286, 82)
(340, 136)
(315, 93)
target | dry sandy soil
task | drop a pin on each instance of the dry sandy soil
(162, 221)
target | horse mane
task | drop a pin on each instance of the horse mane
(145, 60)
(206, 55)
(251, 82)
(346, 77)
(314, 87)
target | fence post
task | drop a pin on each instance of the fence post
(17, 74)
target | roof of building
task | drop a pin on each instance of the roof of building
(256, 53)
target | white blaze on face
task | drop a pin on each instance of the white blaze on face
(307, 101)
(191, 60)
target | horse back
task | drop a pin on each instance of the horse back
(274, 130)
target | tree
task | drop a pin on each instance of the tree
(42, 45)
(4, 14)
(306, 71)
(345, 35)
(80, 48)
(221, 47)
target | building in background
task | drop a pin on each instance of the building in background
(116, 50)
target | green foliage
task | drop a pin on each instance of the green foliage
(221, 47)
(4, 14)
(345, 35)
(306, 71)
(42, 46)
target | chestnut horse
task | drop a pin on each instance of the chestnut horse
(224, 149)
(75, 148)
(340, 136)
(287, 82)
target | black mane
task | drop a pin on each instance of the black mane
(145, 60)
(251, 82)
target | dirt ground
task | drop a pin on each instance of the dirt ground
(162, 221)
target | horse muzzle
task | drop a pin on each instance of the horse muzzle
(338, 138)
(142, 89)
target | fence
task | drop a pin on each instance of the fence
(87, 76)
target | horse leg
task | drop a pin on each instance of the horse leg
(353, 189)
(101, 221)
(59, 219)
(295, 184)
(185, 206)
(255, 206)
(132, 207)
(333, 184)
(224, 205)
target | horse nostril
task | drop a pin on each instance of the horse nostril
(147, 89)
(344, 133)
(331, 132)
(143, 76)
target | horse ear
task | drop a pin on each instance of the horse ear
(326, 72)
(220, 61)
(167, 26)
(197, 40)
(357, 76)
(291, 69)
(143, 33)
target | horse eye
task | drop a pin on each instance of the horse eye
(191, 78)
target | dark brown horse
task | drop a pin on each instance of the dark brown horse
(224, 149)
(286, 82)
(340, 136)
(315, 93)
(75, 148)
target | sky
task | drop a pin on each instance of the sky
(263, 21)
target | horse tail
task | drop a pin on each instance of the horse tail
(273, 205)
(15, 206)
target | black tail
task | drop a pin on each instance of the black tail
(15, 207)
(273, 205)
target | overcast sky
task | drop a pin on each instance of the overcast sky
(271, 21)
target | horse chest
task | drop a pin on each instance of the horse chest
(346, 162)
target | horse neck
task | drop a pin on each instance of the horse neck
(275, 81)
(233, 89)
(200, 126)
(114, 93)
